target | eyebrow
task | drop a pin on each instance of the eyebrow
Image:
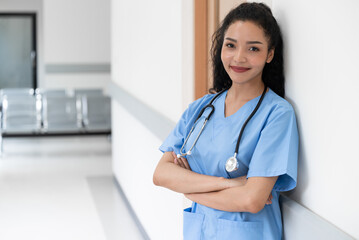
(249, 42)
(254, 42)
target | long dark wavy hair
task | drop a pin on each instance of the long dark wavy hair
(261, 15)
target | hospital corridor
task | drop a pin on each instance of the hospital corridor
(179, 119)
(61, 188)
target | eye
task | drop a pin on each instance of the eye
(253, 49)
(229, 45)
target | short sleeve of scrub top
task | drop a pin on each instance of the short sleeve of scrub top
(274, 154)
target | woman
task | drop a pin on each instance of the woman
(236, 198)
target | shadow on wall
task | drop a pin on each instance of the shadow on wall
(303, 177)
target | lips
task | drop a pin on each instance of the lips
(239, 69)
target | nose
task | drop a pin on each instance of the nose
(240, 55)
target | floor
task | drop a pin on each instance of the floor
(61, 188)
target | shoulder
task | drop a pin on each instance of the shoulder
(195, 107)
(278, 107)
(200, 103)
(278, 104)
(278, 117)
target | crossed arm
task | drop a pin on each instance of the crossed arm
(235, 195)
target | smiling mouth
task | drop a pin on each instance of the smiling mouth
(239, 69)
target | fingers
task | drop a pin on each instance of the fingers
(182, 162)
(177, 161)
(269, 200)
(174, 155)
(175, 158)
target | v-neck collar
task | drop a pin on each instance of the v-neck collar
(219, 122)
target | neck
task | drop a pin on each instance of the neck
(245, 92)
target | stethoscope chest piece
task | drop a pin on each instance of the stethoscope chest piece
(232, 164)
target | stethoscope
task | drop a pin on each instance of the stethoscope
(232, 162)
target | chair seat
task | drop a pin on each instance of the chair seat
(29, 111)
(97, 115)
(60, 113)
(20, 112)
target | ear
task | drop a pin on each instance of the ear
(270, 55)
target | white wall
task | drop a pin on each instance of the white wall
(147, 52)
(322, 49)
(33, 6)
(76, 32)
(152, 59)
(135, 156)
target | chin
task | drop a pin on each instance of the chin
(240, 81)
(244, 80)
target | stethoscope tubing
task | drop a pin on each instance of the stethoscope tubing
(210, 105)
(248, 119)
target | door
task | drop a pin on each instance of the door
(208, 15)
(17, 50)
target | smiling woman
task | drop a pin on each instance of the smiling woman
(245, 48)
(248, 116)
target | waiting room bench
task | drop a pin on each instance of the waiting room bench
(31, 112)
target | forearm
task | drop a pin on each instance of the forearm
(176, 178)
(223, 200)
(250, 197)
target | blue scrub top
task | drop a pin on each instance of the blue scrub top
(268, 147)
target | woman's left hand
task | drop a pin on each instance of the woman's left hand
(269, 200)
(182, 162)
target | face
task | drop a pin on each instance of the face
(245, 52)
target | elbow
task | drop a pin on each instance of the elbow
(253, 205)
(160, 176)
(156, 179)
(255, 208)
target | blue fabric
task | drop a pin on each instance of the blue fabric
(269, 147)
